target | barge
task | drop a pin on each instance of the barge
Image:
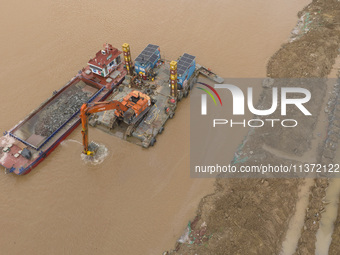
(27, 144)
(209, 74)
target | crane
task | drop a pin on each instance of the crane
(131, 110)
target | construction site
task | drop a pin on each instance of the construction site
(140, 96)
(130, 105)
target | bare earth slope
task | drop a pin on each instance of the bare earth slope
(251, 216)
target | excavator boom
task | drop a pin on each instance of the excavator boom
(88, 109)
(134, 104)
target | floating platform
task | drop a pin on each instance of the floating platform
(153, 124)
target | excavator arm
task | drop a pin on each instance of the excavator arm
(87, 109)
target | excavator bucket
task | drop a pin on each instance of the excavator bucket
(92, 149)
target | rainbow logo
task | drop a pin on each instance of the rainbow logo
(209, 93)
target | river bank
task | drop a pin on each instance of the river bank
(252, 216)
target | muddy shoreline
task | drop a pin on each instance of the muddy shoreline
(251, 216)
(335, 245)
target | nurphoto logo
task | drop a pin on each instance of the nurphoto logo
(238, 104)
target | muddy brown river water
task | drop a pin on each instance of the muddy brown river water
(137, 201)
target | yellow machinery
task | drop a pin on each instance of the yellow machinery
(173, 79)
(127, 58)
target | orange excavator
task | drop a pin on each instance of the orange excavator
(131, 110)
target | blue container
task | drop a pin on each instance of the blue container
(185, 68)
(147, 59)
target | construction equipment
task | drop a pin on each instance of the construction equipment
(173, 79)
(127, 58)
(131, 110)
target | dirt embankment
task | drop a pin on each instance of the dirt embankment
(335, 245)
(251, 216)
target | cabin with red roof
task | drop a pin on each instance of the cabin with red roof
(105, 61)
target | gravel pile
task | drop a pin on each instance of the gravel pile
(56, 114)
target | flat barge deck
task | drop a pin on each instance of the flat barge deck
(153, 124)
(157, 83)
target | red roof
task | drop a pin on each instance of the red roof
(104, 57)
